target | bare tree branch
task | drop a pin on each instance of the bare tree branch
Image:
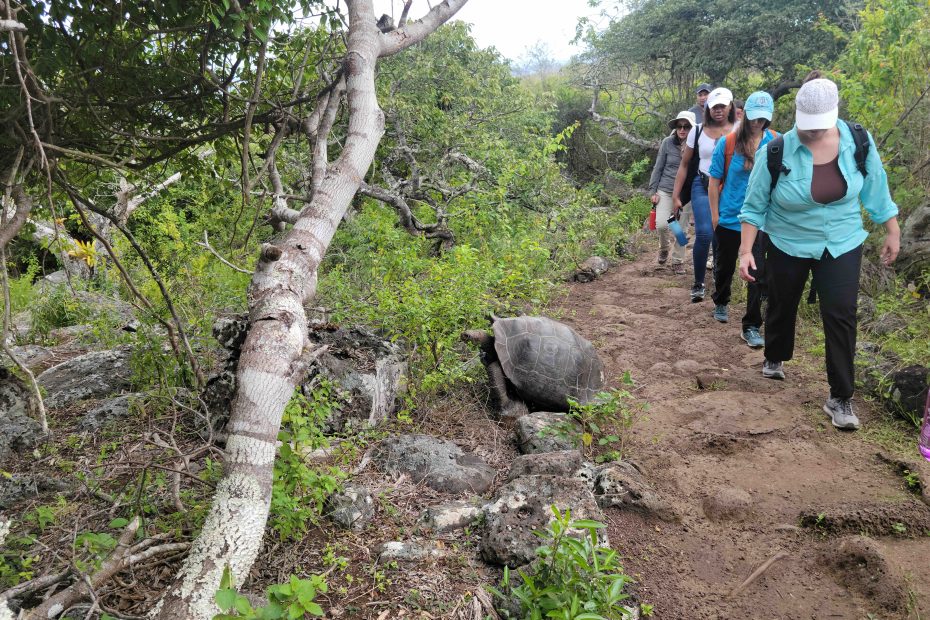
(616, 125)
(412, 33)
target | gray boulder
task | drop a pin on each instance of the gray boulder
(439, 463)
(18, 431)
(563, 463)
(915, 242)
(352, 508)
(620, 485)
(19, 487)
(107, 412)
(525, 505)
(93, 375)
(371, 373)
(410, 551)
(450, 516)
(544, 431)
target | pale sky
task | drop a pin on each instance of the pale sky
(512, 26)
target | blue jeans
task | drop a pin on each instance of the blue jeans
(703, 228)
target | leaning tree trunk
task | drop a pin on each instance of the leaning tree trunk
(270, 365)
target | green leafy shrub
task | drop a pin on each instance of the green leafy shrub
(300, 491)
(574, 578)
(294, 599)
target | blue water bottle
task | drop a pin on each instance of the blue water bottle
(680, 235)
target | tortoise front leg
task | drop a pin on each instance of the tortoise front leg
(510, 408)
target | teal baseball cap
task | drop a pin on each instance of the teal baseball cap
(759, 105)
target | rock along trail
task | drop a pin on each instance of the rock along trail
(742, 458)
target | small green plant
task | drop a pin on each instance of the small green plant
(299, 491)
(606, 421)
(573, 578)
(294, 599)
(899, 528)
(96, 546)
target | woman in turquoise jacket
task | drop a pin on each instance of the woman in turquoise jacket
(814, 225)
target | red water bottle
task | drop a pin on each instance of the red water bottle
(923, 442)
(652, 219)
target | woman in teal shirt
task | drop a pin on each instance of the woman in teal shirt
(725, 205)
(814, 224)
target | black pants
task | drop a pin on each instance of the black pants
(837, 283)
(726, 244)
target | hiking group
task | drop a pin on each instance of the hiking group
(779, 208)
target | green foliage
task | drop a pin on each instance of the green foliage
(94, 548)
(22, 291)
(574, 577)
(299, 491)
(606, 421)
(292, 600)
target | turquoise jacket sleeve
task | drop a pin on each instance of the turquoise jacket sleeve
(875, 195)
(758, 194)
(718, 159)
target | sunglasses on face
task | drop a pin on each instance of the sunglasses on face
(680, 126)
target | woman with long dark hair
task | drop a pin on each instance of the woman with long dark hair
(730, 167)
(719, 117)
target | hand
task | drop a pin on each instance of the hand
(676, 202)
(890, 248)
(655, 199)
(714, 219)
(746, 262)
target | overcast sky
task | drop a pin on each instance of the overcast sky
(512, 26)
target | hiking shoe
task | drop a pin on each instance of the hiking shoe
(679, 269)
(841, 413)
(663, 256)
(753, 338)
(721, 313)
(773, 370)
(697, 293)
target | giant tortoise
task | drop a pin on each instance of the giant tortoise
(533, 359)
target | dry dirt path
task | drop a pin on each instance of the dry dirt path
(766, 438)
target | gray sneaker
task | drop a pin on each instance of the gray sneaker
(841, 413)
(753, 338)
(721, 313)
(773, 370)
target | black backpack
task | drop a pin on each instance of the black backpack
(776, 153)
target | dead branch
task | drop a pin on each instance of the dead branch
(123, 556)
(9, 25)
(614, 126)
(757, 573)
(206, 244)
(24, 206)
(33, 585)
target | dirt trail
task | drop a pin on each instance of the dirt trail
(767, 438)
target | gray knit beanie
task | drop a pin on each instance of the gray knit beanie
(817, 104)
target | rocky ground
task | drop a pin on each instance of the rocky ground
(728, 475)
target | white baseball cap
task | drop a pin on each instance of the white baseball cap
(719, 96)
(817, 105)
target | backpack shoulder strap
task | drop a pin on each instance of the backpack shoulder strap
(775, 151)
(728, 150)
(861, 139)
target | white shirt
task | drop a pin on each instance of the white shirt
(705, 148)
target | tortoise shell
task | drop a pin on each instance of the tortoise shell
(547, 361)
